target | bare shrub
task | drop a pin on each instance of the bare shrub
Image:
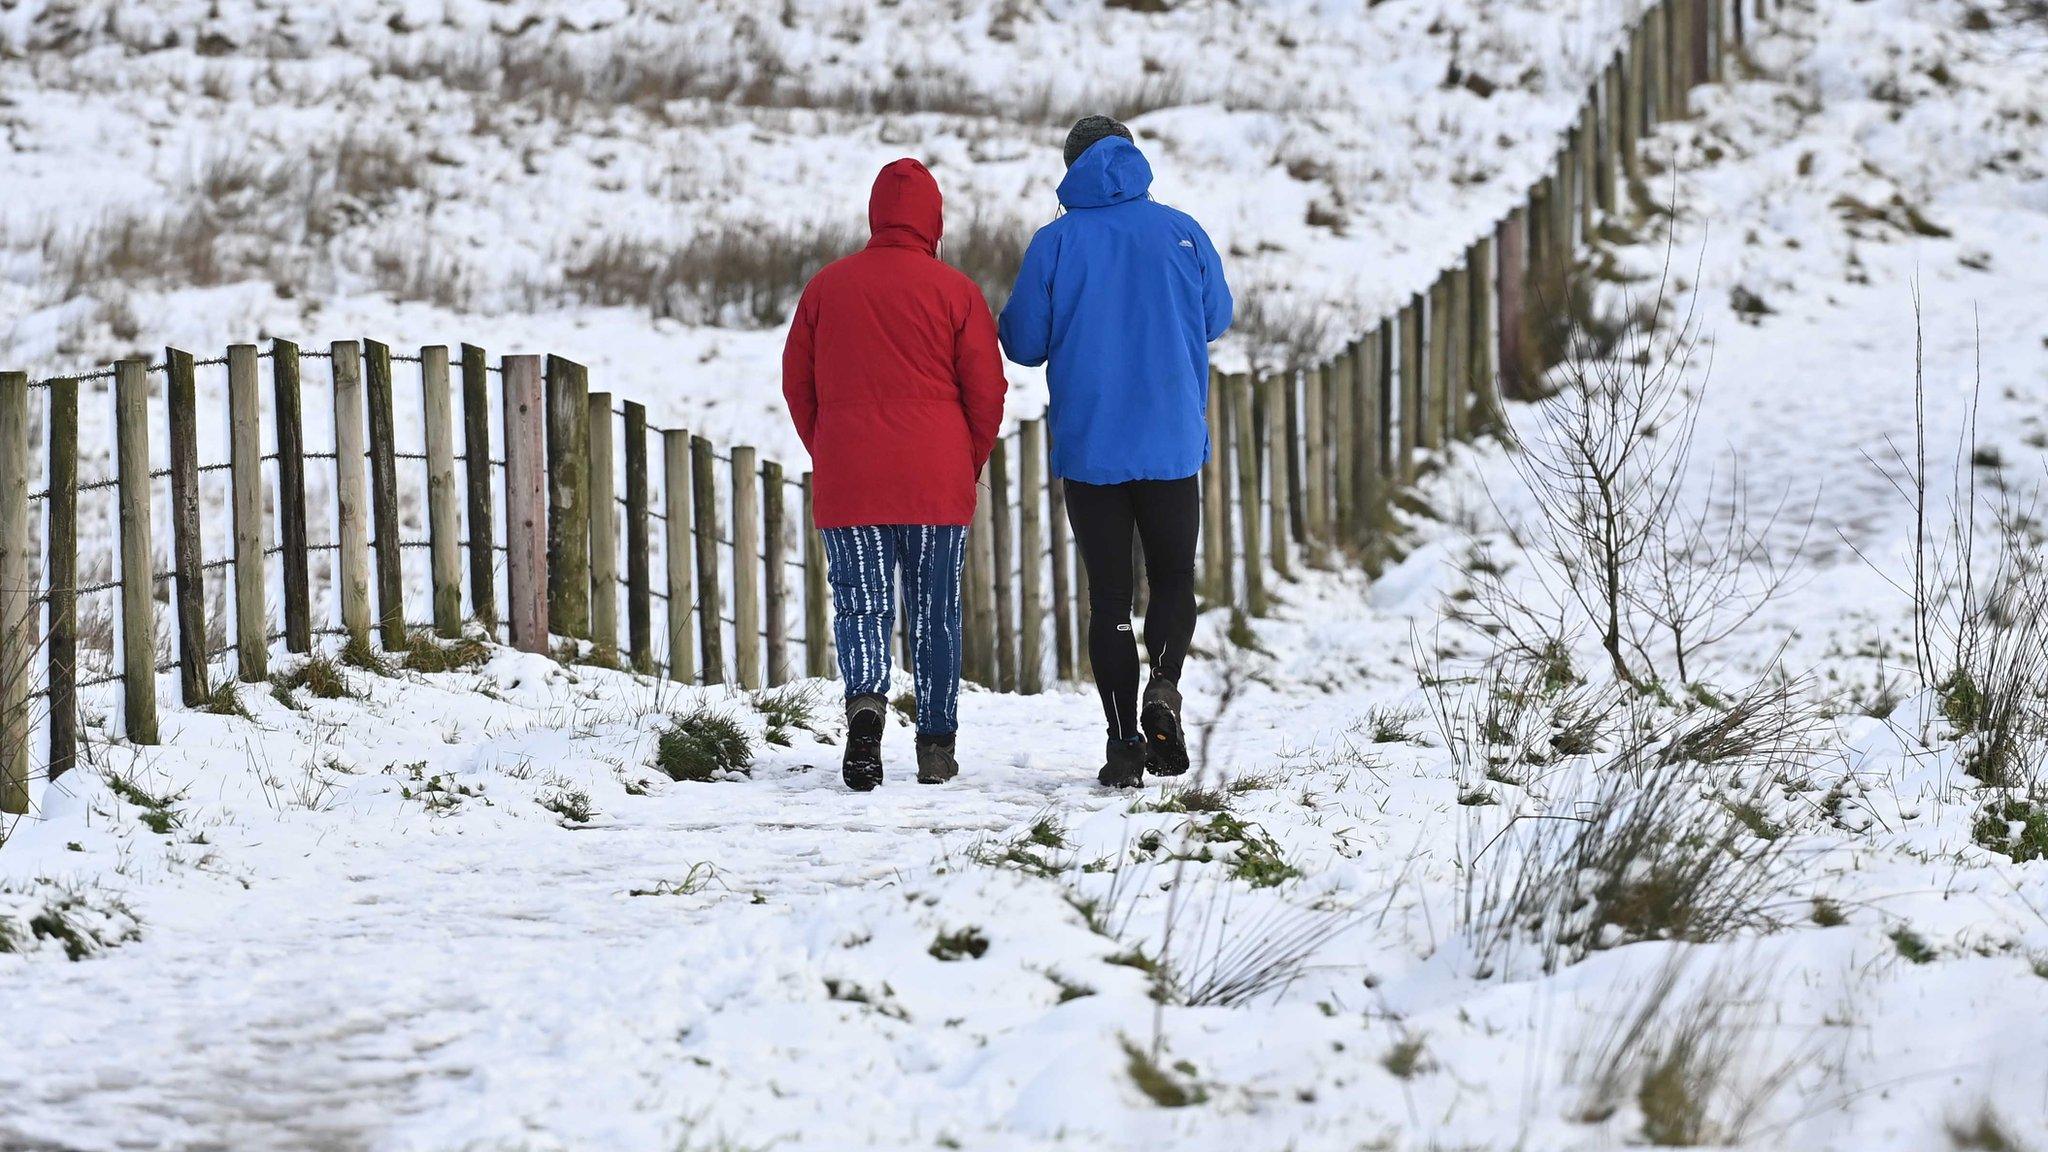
(1647, 856)
(1687, 1057)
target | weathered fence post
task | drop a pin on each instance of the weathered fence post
(1004, 554)
(245, 452)
(1064, 612)
(526, 505)
(1487, 414)
(476, 464)
(978, 599)
(444, 524)
(1628, 129)
(604, 528)
(1315, 459)
(1343, 433)
(746, 567)
(639, 578)
(1365, 409)
(1273, 392)
(1248, 495)
(187, 565)
(817, 621)
(710, 601)
(384, 496)
(1515, 380)
(1031, 547)
(682, 602)
(138, 564)
(1458, 389)
(1215, 546)
(774, 573)
(568, 498)
(17, 595)
(62, 548)
(1291, 396)
(1411, 386)
(291, 497)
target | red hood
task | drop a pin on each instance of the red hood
(905, 209)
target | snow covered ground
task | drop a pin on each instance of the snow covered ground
(467, 912)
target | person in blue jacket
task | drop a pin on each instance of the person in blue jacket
(1120, 297)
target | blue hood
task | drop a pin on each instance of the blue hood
(1111, 171)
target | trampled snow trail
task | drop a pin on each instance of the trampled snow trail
(372, 976)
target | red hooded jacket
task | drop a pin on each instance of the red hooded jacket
(892, 372)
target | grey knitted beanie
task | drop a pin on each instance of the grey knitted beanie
(1087, 130)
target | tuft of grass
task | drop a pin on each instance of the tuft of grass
(84, 921)
(1982, 1131)
(1476, 798)
(1912, 945)
(1390, 725)
(1163, 1088)
(159, 813)
(1404, 1060)
(357, 653)
(1827, 913)
(2014, 826)
(1047, 832)
(425, 653)
(225, 699)
(703, 745)
(571, 804)
(1069, 989)
(1258, 860)
(960, 944)
(1187, 798)
(317, 676)
(1253, 782)
(787, 710)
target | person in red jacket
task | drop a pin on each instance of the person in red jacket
(895, 383)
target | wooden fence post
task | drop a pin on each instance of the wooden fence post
(17, 595)
(62, 547)
(1458, 385)
(568, 498)
(979, 647)
(1247, 445)
(1411, 386)
(1315, 458)
(444, 522)
(774, 573)
(245, 437)
(1436, 419)
(1003, 558)
(604, 527)
(1030, 550)
(1487, 414)
(817, 606)
(1064, 611)
(291, 497)
(1273, 394)
(1344, 436)
(746, 567)
(138, 563)
(710, 601)
(1365, 410)
(1607, 163)
(476, 463)
(639, 578)
(1629, 116)
(384, 496)
(677, 537)
(526, 506)
(1215, 546)
(187, 563)
(1515, 381)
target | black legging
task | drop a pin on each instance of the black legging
(1166, 515)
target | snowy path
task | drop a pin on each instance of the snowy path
(391, 979)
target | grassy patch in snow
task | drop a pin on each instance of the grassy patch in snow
(82, 920)
(2014, 826)
(704, 745)
(1176, 1087)
(425, 653)
(787, 710)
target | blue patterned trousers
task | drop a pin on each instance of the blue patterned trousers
(864, 562)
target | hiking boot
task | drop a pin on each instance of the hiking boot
(935, 763)
(1123, 764)
(862, 766)
(1165, 744)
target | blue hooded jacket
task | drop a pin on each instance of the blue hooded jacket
(1123, 295)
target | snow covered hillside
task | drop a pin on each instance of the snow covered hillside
(1444, 878)
(644, 186)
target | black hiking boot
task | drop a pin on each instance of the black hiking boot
(862, 766)
(1166, 745)
(1123, 764)
(935, 763)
